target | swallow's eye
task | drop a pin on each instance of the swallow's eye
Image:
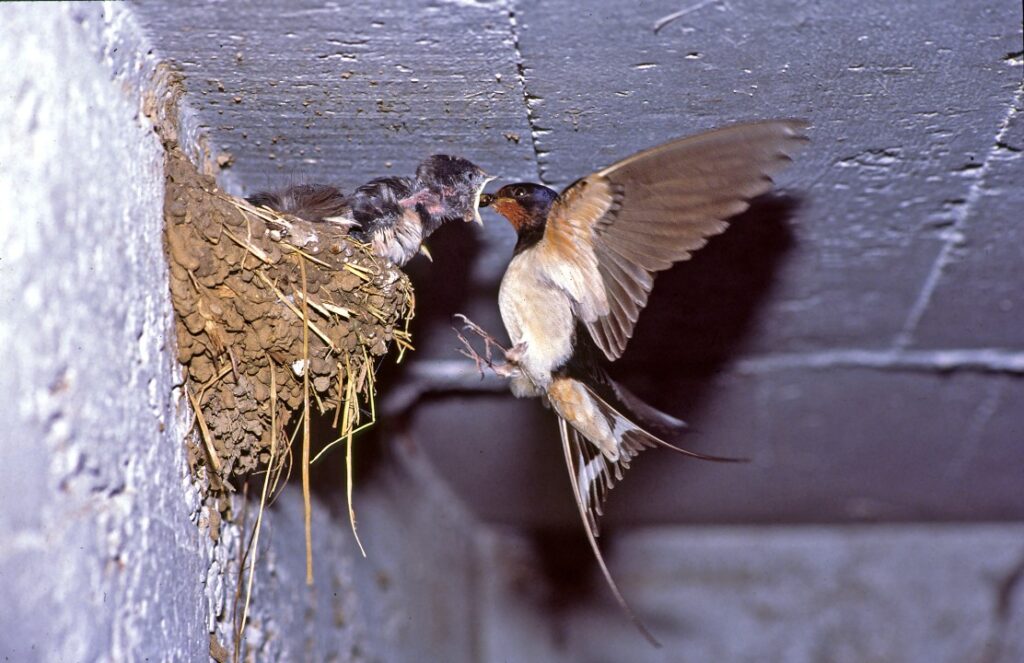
(519, 192)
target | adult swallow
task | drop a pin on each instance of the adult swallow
(583, 268)
(394, 215)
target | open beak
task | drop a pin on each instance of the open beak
(481, 199)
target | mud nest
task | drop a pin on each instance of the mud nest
(276, 315)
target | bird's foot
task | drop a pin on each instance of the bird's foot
(506, 369)
(514, 355)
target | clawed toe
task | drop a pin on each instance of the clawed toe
(485, 360)
(515, 354)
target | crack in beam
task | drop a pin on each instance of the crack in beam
(954, 235)
(528, 100)
(675, 16)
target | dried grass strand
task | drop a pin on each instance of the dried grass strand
(307, 324)
(306, 502)
(204, 432)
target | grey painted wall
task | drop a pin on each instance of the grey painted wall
(858, 338)
(857, 335)
(899, 594)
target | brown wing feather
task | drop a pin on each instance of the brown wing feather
(643, 214)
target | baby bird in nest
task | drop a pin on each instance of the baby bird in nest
(394, 215)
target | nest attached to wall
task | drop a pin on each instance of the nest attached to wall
(276, 315)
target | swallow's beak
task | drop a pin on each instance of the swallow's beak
(481, 199)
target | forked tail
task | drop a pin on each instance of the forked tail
(599, 442)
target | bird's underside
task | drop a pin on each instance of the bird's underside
(583, 270)
(598, 439)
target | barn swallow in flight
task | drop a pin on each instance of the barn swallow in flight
(394, 215)
(582, 270)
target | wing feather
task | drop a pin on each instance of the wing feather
(621, 225)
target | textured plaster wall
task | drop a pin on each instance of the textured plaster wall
(105, 553)
(98, 554)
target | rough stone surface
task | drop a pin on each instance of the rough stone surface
(962, 433)
(98, 555)
(976, 300)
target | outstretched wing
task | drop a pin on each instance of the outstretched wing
(613, 230)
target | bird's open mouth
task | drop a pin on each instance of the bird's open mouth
(480, 199)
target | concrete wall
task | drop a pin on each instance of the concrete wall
(105, 551)
(899, 594)
(857, 336)
(99, 546)
(860, 339)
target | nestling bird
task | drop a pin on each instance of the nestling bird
(312, 202)
(394, 215)
(582, 270)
